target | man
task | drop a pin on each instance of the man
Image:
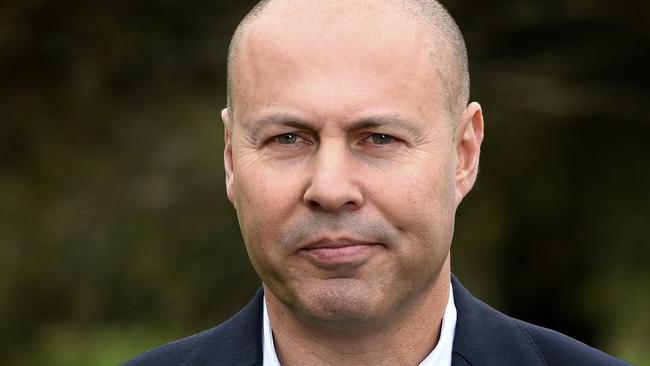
(350, 143)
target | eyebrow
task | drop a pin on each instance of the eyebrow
(254, 127)
(380, 120)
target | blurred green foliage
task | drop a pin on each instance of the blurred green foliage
(116, 235)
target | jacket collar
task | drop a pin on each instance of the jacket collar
(485, 336)
(237, 341)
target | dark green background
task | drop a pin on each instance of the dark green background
(116, 235)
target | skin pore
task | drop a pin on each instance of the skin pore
(346, 160)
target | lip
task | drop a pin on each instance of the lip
(332, 253)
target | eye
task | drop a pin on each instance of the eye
(287, 139)
(380, 139)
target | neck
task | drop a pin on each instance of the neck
(406, 339)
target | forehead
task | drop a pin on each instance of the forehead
(338, 54)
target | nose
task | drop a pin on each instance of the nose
(333, 186)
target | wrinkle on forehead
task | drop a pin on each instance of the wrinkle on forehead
(274, 62)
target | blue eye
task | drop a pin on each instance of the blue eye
(287, 139)
(381, 139)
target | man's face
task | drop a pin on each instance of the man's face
(341, 164)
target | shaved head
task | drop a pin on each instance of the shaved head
(442, 36)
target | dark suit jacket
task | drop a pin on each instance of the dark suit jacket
(483, 336)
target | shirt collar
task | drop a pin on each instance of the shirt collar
(269, 358)
(440, 356)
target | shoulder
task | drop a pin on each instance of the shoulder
(172, 353)
(485, 336)
(237, 341)
(559, 349)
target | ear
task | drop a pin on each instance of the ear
(469, 136)
(227, 155)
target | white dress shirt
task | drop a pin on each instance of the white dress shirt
(440, 356)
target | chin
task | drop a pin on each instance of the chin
(338, 301)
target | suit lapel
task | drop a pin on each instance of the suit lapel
(246, 334)
(485, 336)
(236, 342)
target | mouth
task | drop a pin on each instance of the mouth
(330, 254)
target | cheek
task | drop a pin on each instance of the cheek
(420, 203)
(259, 203)
(417, 194)
(265, 201)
